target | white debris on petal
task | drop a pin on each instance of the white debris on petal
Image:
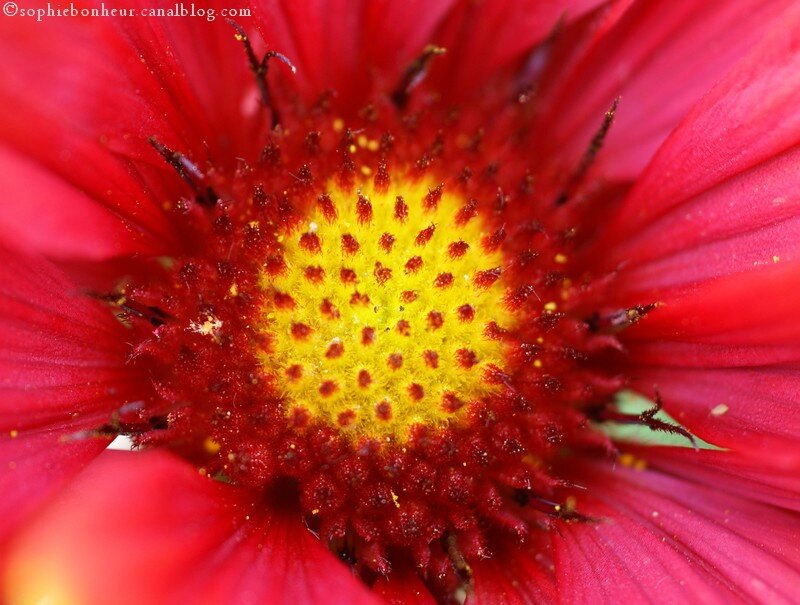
(210, 327)
(719, 410)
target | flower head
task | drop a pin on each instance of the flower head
(379, 284)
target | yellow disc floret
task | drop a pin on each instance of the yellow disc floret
(378, 310)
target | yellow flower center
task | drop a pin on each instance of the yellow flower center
(378, 310)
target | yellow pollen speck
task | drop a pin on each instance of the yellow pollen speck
(211, 446)
(395, 499)
(551, 306)
(373, 145)
(14, 433)
(560, 259)
(352, 149)
(366, 170)
(627, 459)
(537, 363)
(233, 290)
(776, 259)
(338, 125)
(631, 461)
(373, 326)
(362, 141)
(315, 511)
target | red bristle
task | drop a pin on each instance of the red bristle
(335, 350)
(414, 264)
(294, 372)
(433, 197)
(435, 320)
(346, 418)
(451, 403)
(494, 241)
(387, 242)
(328, 388)
(466, 313)
(400, 209)
(348, 276)
(484, 279)
(431, 358)
(444, 280)
(327, 206)
(381, 180)
(467, 212)
(466, 358)
(364, 379)
(316, 275)
(283, 301)
(364, 210)
(457, 249)
(424, 236)
(382, 274)
(300, 331)
(415, 391)
(367, 336)
(328, 309)
(395, 361)
(383, 410)
(311, 243)
(350, 244)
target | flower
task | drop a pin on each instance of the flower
(375, 281)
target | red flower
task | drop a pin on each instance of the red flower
(376, 281)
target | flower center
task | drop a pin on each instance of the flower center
(378, 310)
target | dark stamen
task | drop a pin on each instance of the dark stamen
(589, 155)
(259, 68)
(152, 314)
(414, 75)
(619, 320)
(648, 419)
(565, 512)
(188, 171)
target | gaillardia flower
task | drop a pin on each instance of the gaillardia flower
(372, 287)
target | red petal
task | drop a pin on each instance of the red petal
(342, 45)
(84, 95)
(743, 409)
(147, 528)
(750, 220)
(83, 228)
(481, 38)
(63, 355)
(658, 537)
(746, 119)
(34, 465)
(763, 478)
(513, 576)
(63, 371)
(648, 57)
